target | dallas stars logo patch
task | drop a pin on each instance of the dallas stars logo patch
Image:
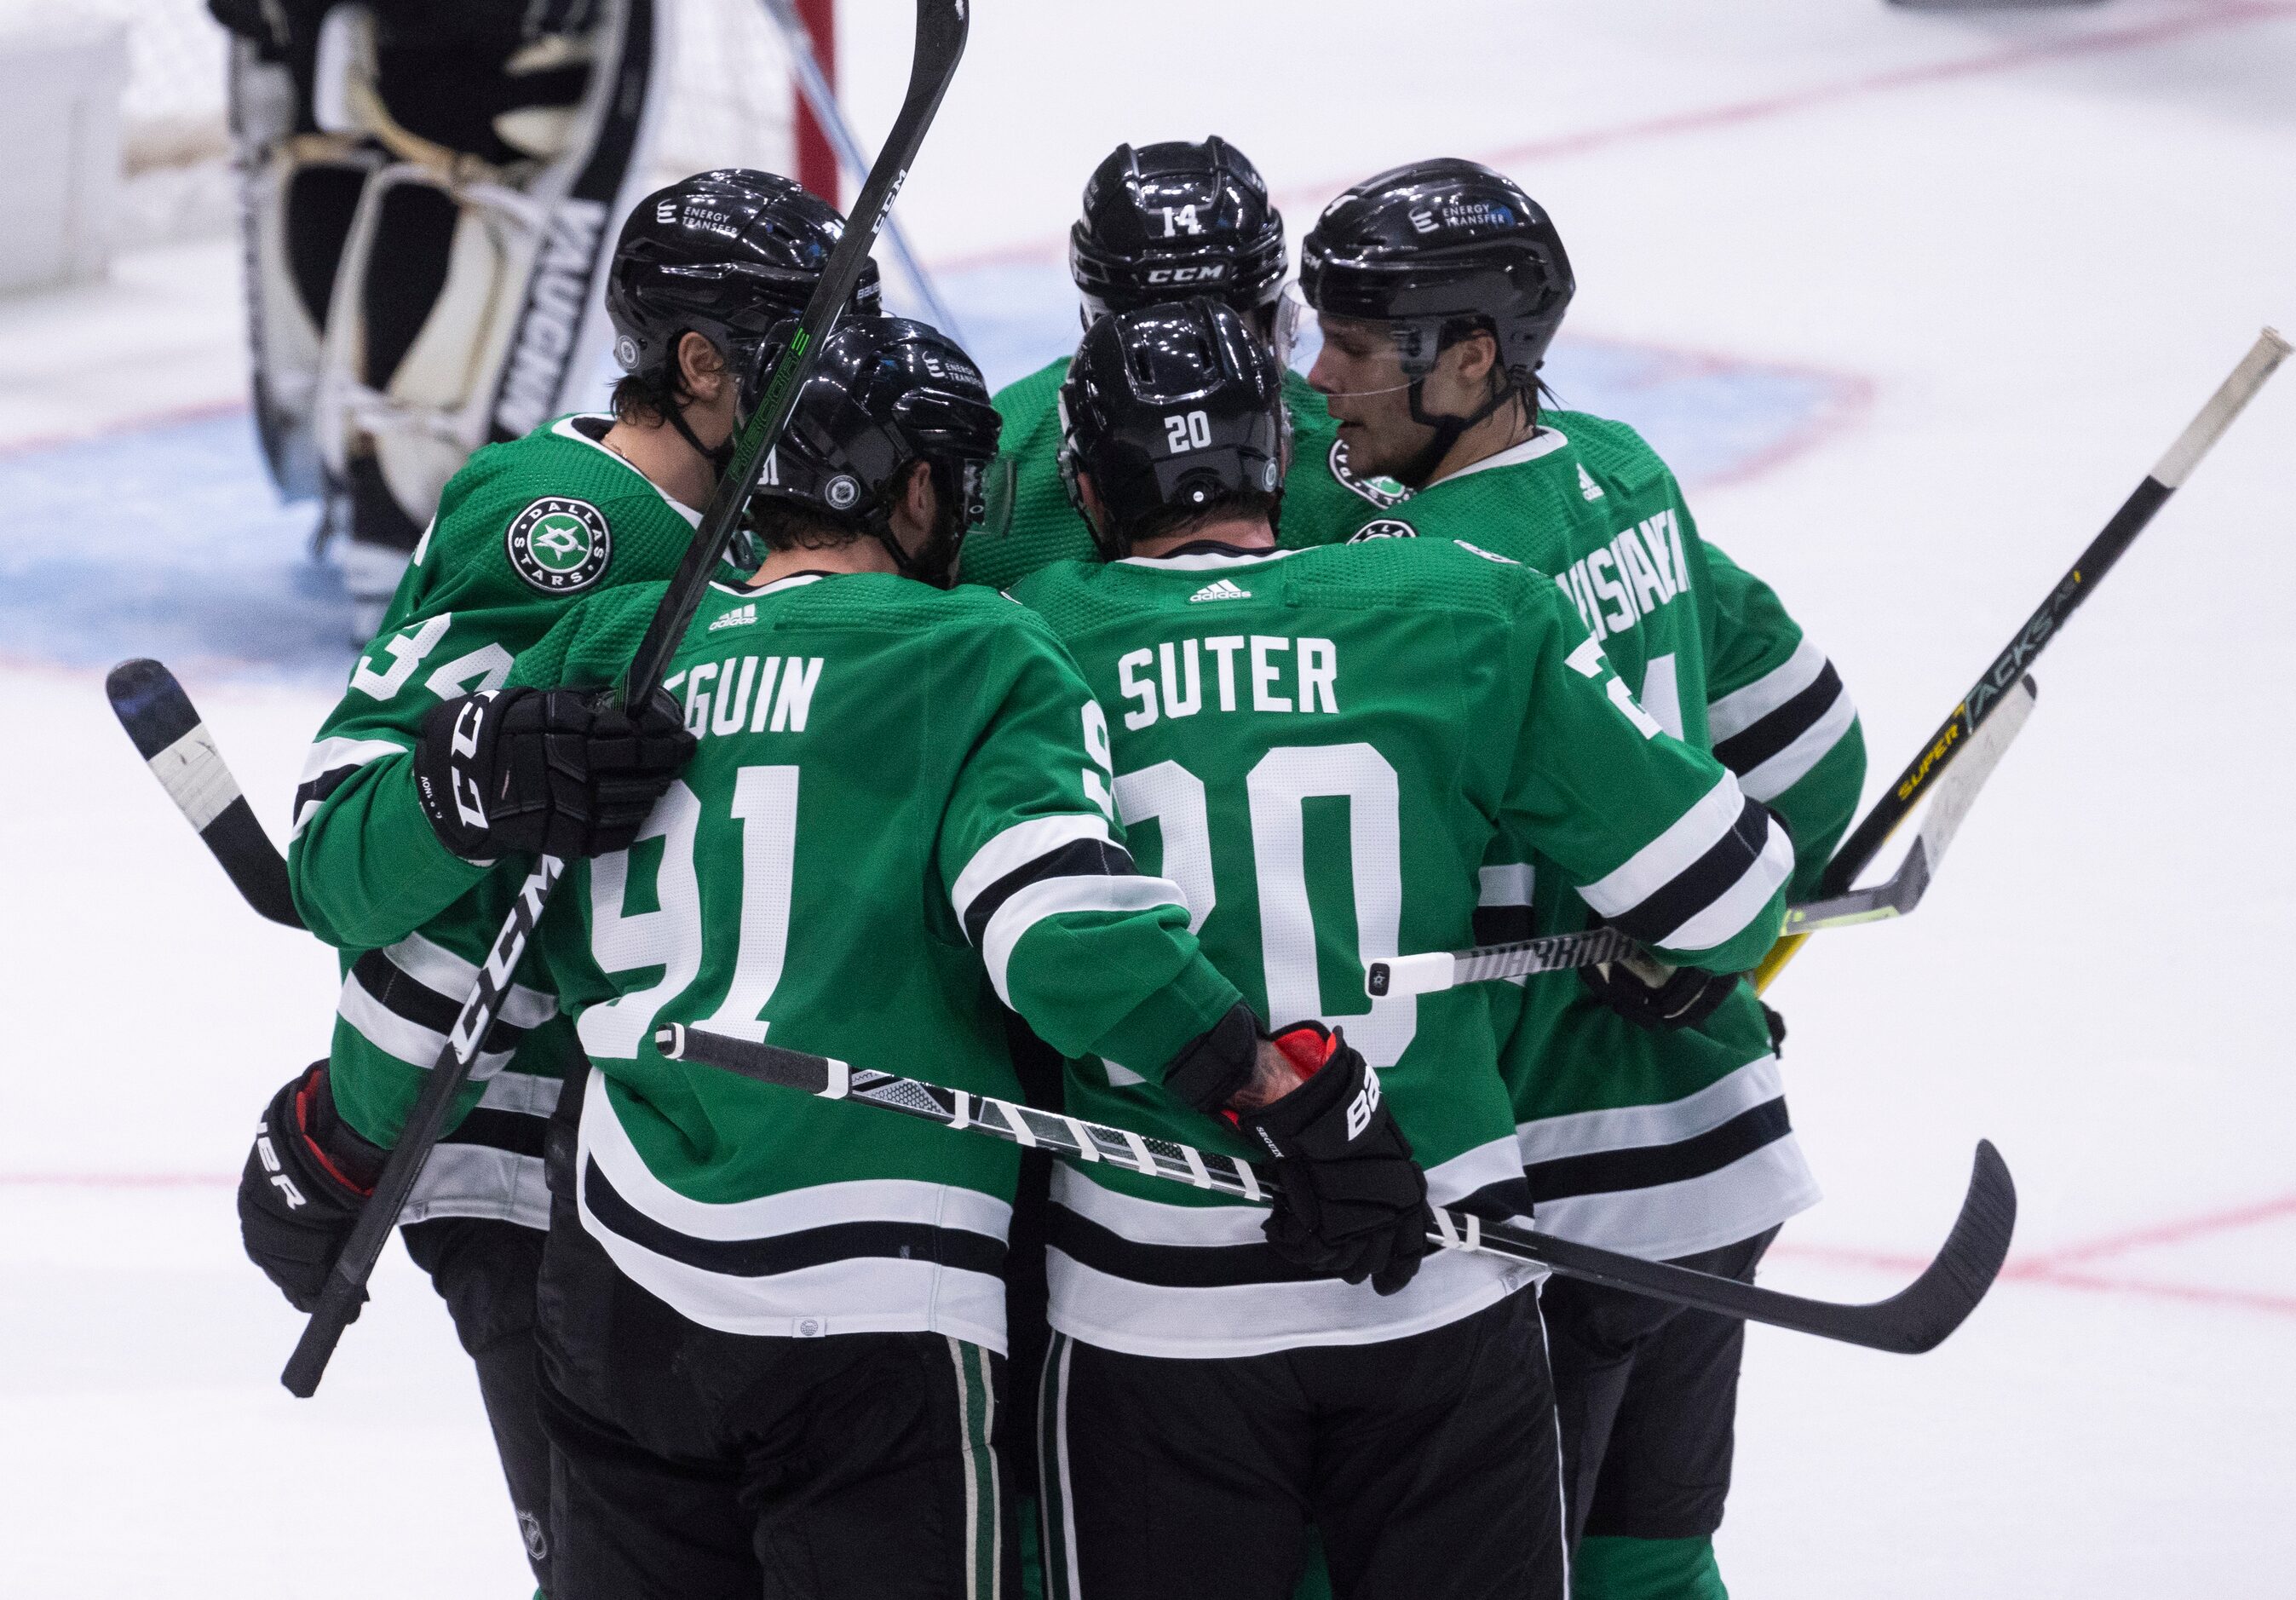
(1383, 528)
(559, 546)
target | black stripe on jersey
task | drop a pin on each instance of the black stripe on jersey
(402, 993)
(1703, 881)
(318, 790)
(1226, 1266)
(521, 1133)
(1503, 925)
(955, 1247)
(1167, 1266)
(1647, 1166)
(1750, 747)
(1077, 858)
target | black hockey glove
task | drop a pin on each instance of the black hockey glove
(1651, 995)
(546, 772)
(1354, 1203)
(300, 1192)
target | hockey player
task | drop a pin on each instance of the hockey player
(1327, 744)
(429, 192)
(1653, 1116)
(1160, 220)
(703, 273)
(772, 1327)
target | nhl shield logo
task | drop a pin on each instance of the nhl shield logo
(559, 546)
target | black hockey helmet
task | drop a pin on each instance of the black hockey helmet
(1170, 407)
(1437, 248)
(1164, 221)
(886, 392)
(729, 254)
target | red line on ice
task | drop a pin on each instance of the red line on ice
(2056, 1268)
(2007, 59)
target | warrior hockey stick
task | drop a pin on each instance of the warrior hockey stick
(182, 754)
(1894, 897)
(941, 29)
(813, 83)
(1916, 1318)
(1865, 840)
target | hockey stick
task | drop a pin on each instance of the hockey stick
(1916, 1318)
(941, 29)
(1895, 896)
(1858, 851)
(182, 754)
(813, 83)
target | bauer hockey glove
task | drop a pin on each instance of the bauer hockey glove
(1650, 993)
(1354, 1203)
(300, 1192)
(546, 772)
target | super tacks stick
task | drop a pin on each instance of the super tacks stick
(1865, 840)
(941, 29)
(1916, 1318)
(1895, 896)
(182, 754)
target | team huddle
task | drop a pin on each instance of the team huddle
(1084, 744)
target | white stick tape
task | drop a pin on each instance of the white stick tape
(2230, 398)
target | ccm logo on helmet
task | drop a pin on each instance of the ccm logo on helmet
(1209, 272)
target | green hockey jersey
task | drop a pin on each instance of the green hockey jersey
(899, 815)
(522, 531)
(1323, 747)
(1657, 1144)
(1323, 501)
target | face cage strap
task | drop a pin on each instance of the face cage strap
(936, 563)
(1415, 472)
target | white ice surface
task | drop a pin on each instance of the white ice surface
(2039, 255)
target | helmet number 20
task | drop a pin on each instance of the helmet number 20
(1187, 431)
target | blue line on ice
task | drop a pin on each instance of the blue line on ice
(167, 541)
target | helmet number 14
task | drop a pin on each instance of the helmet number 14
(1179, 221)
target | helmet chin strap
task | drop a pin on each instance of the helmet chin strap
(1416, 473)
(719, 459)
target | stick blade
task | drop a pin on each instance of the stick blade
(1921, 1317)
(150, 704)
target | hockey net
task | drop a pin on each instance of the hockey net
(731, 100)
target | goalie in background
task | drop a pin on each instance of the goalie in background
(430, 190)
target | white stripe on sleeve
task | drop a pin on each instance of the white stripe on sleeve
(1726, 916)
(1672, 854)
(1783, 770)
(1019, 845)
(1740, 709)
(1053, 897)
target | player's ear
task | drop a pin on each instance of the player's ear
(920, 493)
(701, 367)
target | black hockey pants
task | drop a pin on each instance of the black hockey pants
(485, 1271)
(1647, 1394)
(694, 1464)
(1415, 1457)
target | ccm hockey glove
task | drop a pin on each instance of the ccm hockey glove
(300, 1192)
(1651, 995)
(546, 772)
(1354, 1203)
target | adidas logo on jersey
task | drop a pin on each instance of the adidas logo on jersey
(1588, 487)
(741, 616)
(1219, 588)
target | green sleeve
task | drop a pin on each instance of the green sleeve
(1781, 718)
(1096, 958)
(1655, 835)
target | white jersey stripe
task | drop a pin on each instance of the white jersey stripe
(478, 1180)
(332, 755)
(1783, 770)
(1670, 1123)
(1757, 1191)
(1672, 853)
(398, 1037)
(1725, 917)
(1019, 845)
(442, 971)
(1740, 709)
(1054, 897)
